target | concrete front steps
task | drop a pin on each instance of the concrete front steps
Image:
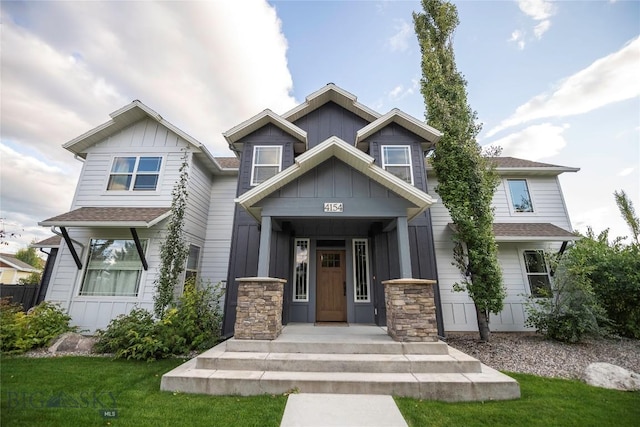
(347, 360)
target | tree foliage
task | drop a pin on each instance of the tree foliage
(30, 256)
(466, 179)
(628, 214)
(174, 251)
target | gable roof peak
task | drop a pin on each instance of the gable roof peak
(331, 93)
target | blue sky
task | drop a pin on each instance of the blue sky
(554, 82)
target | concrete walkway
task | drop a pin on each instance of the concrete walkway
(344, 410)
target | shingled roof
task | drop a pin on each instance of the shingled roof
(109, 217)
(528, 231)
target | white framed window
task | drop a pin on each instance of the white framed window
(537, 273)
(301, 271)
(134, 173)
(396, 159)
(267, 162)
(520, 196)
(113, 268)
(361, 291)
(193, 263)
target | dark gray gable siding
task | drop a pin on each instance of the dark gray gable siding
(334, 181)
(268, 135)
(330, 120)
(397, 135)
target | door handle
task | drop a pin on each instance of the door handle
(344, 288)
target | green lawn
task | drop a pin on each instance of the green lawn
(544, 402)
(72, 391)
(92, 383)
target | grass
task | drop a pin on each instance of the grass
(544, 402)
(92, 383)
(71, 391)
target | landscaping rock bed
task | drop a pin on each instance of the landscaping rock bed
(533, 354)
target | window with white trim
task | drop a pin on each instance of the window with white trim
(361, 270)
(193, 262)
(113, 269)
(537, 273)
(134, 174)
(396, 159)
(267, 162)
(301, 270)
(520, 196)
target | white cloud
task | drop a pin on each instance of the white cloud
(399, 42)
(541, 28)
(625, 172)
(538, 10)
(606, 81)
(195, 63)
(534, 143)
(518, 37)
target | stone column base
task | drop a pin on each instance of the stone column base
(411, 310)
(259, 310)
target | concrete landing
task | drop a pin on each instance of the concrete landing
(330, 410)
(353, 360)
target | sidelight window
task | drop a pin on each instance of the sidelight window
(361, 270)
(301, 270)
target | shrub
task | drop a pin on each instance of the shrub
(21, 331)
(571, 311)
(193, 324)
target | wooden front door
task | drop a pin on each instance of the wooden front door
(331, 288)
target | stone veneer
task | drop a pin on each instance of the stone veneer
(259, 310)
(411, 310)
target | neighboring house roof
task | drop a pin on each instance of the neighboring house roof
(331, 93)
(516, 166)
(529, 232)
(130, 114)
(13, 262)
(109, 217)
(336, 147)
(50, 242)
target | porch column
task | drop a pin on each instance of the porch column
(403, 247)
(411, 310)
(265, 247)
(259, 309)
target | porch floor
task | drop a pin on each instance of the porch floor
(353, 359)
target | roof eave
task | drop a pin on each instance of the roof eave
(235, 134)
(428, 133)
(537, 238)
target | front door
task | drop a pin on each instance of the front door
(331, 287)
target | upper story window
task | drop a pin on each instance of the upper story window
(134, 173)
(267, 162)
(537, 273)
(520, 196)
(396, 159)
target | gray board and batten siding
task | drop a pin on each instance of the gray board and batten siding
(296, 211)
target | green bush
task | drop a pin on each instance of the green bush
(192, 325)
(20, 331)
(572, 311)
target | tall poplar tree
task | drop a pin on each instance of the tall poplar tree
(466, 179)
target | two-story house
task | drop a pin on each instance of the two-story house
(331, 196)
(109, 255)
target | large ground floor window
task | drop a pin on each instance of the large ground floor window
(113, 269)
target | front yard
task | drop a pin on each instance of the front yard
(83, 391)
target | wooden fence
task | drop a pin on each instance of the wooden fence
(21, 294)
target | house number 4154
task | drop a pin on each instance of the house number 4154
(333, 207)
